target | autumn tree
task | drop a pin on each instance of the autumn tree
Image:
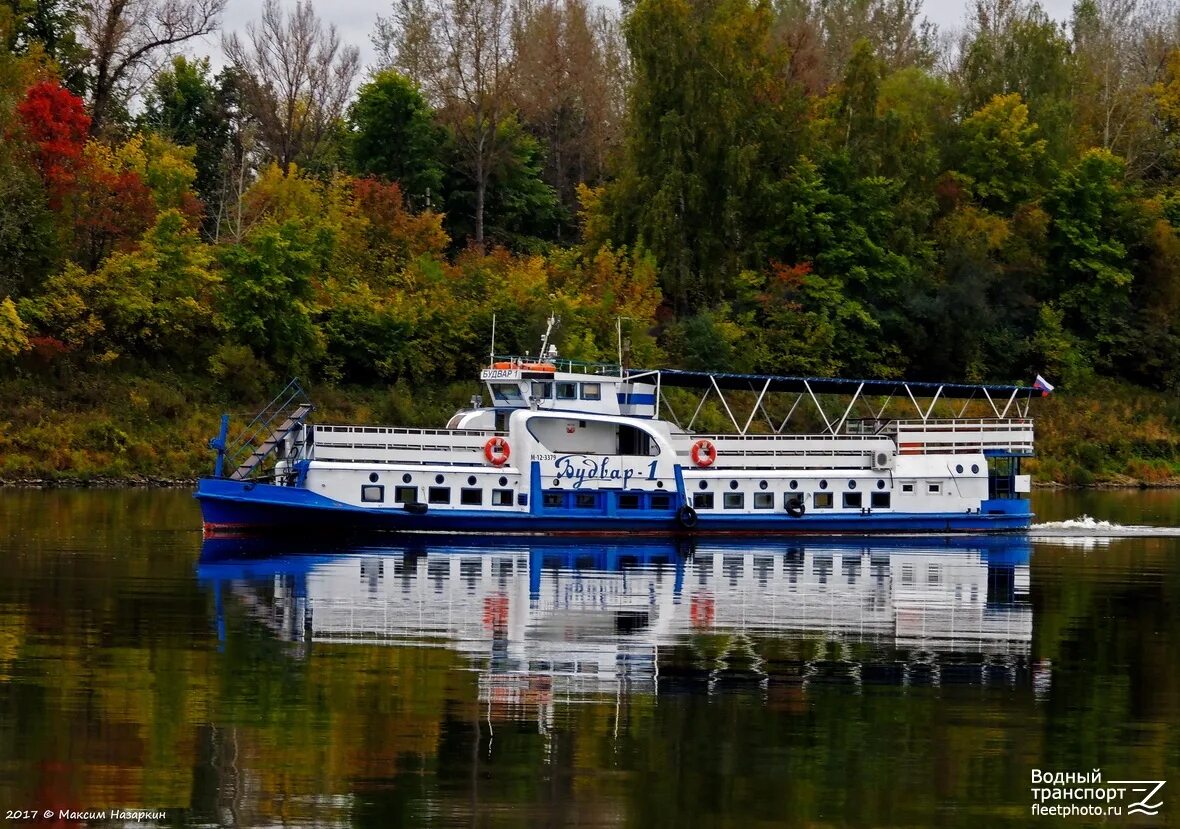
(460, 51)
(296, 79)
(394, 136)
(128, 40)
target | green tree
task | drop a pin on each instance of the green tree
(1095, 241)
(269, 299)
(1000, 149)
(393, 135)
(188, 105)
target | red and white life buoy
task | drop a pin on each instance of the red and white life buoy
(704, 453)
(497, 450)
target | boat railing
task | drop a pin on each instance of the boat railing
(559, 364)
(402, 445)
(1010, 435)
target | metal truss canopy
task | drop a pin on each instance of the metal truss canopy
(681, 378)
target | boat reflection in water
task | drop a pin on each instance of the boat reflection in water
(544, 623)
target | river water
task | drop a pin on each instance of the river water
(806, 682)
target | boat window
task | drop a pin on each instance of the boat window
(373, 494)
(933, 488)
(471, 497)
(405, 495)
(634, 441)
(567, 391)
(506, 392)
(501, 497)
(907, 486)
(591, 391)
(542, 391)
(763, 500)
(553, 499)
(628, 500)
(852, 500)
(822, 500)
(702, 500)
(880, 500)
(586, 500)
(735, 500)
(661, 502)
(439, 495)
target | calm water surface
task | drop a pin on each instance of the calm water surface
(863, 682)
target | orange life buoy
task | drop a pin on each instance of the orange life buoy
(704, 452)
(497, 450)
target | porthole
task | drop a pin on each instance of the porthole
(762, 485)
(733, 484)
(974, 469)
(659, 484)
(406, 478)
(704, 485)
(438, 479)
(373, 477)
(470, 480)
(794, 484)
(503, 481)
(881, 484)
(557, 482)
(823, 484)
(852, 484)
(959, 468)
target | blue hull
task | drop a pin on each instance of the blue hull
(231, 506)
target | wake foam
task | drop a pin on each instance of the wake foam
(1087, 528)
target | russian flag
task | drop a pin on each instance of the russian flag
(1043, 385)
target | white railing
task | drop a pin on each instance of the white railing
(387, 444)
(793, 451)
(934, 437)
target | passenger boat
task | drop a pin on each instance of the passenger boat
(566, 447)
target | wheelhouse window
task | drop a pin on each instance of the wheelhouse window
(822, 500)
(506, 393)
(634, 441)
(542, 391)
(702, 500)
(591, 391)
(567, 391)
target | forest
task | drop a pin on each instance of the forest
(818, 187)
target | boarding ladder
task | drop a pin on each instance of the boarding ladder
(288, 410)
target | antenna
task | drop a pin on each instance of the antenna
(492, 356)
(619, 334)
(547, 350)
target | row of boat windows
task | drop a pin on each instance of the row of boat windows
(468, 496)
(765, 500)
(510, 392)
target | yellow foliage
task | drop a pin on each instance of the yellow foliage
(13, 331)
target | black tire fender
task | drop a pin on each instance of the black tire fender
(795, 508)
(686, 516)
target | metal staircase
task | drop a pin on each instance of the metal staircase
(259, 438)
